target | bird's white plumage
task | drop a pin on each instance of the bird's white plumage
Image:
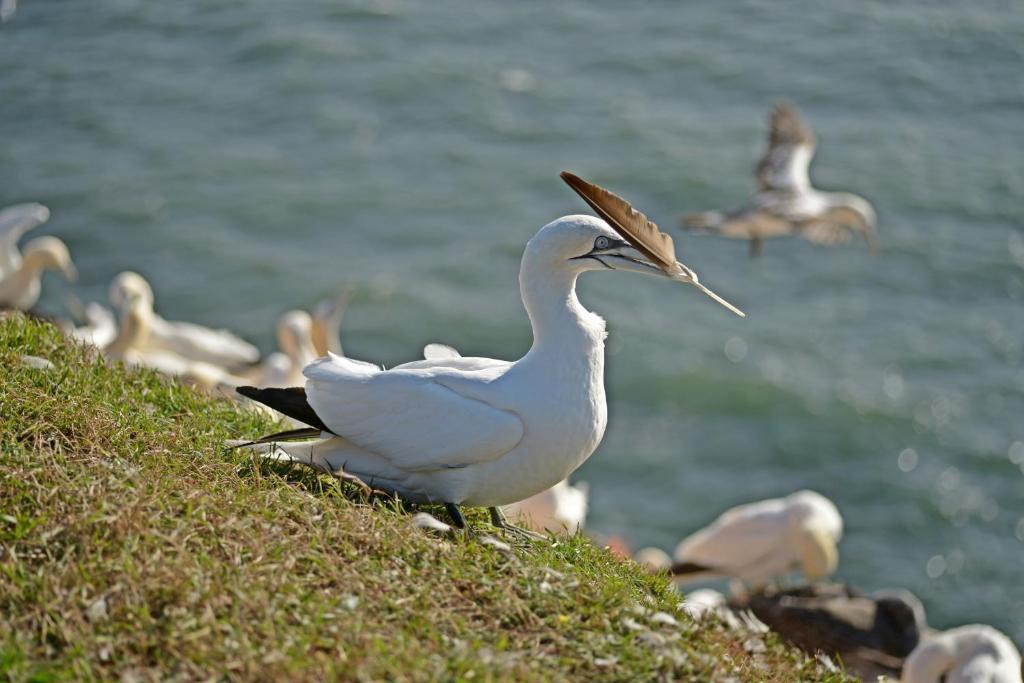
(969, 654)
(559, 509)
(100, 326)
(15, 221)
(188, 340)
(482, 431)
(364, 404)
(761, 541)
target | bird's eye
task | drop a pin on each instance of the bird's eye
(602, 242)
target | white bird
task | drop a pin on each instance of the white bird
(21, 272)
(480, 431)
(326, 324)
(653, 559)
(561, 509)
(187, 340)
(283, 368)
(785, 202)
(762, 541)
(130, 345)
(100, 326)
(968, 654)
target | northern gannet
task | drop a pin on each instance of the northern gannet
(968, 654)
(21, 272)
(326, 330)
(187, 340)
(130, 345)
(479, 431)
(785, 202)
(763, 541)
(283, 368)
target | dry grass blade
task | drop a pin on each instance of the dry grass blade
(635, 227)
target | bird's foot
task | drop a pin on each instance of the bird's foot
(499, 520)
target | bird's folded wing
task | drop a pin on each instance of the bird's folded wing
(15, 221)
(790, 149)
(208, 344)
(408, 417)
(734, 540)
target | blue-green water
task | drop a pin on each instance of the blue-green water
(249, 156)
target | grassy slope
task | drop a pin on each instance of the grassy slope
(133, 546)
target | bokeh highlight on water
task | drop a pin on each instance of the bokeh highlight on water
(253, 156)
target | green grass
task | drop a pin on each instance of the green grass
(134, 547)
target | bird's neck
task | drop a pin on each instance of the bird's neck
(133, 331)
(20, 280)
(561, 325)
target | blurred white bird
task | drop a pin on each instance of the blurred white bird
(326, 324)
(785, 202)
(283, 368)
(187, 340)
(653, 559)
(100, 326)
(21, 272)
(561, 509)
(479, 431)
(968, 654)
(130, 345)
(763, 541)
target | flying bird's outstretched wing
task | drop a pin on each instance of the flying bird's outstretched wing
(406, 415)
(837, 225)
(15, 221)
(784, 166)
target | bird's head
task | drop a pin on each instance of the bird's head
(129, 287)
(50, 252)
(621, 239)
(294, 332)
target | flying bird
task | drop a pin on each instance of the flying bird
(785, 202)
(187, 340)
(479, 431)
(968, 654)
(760, 542)
(21, 272)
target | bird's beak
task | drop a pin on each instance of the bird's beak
(70, 272)
(628, 258)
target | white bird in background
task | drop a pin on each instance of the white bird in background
(21, 272)
(785, 202)
(561, 509)
(478, 431)
(326, 330)
(100, 326)
(187, 340)
(130, 345)
(295, 340)
(968, 654)
(763, 541)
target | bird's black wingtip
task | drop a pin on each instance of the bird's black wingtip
(248, 392)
